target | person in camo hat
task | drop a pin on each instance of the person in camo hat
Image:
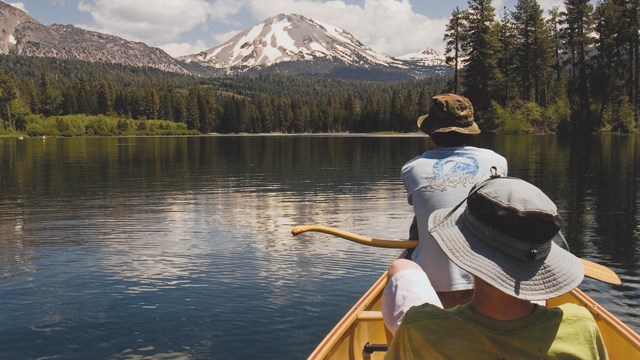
(441, 177)
(506, 237)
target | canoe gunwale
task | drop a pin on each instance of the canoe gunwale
(349, 319)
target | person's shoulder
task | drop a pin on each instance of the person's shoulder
(575, 311)
(481, 150)
(428, 155)
(573, 317)
(486, 153)
(426, 312)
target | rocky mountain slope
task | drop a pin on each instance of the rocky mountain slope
(20, 34)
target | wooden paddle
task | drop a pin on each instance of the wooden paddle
(591, 269)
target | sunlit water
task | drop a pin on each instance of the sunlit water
(180, 248)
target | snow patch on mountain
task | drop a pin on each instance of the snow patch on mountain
(425, 57)
(290, 38)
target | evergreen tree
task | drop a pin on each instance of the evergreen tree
(19, 111)
(154, 104)
(398, 107)
(506, 61)
(8, 93)
(166, 104)
(578, 24)
(106, 96)
(31, 95)
(554, 31)
(453, 38)
(353, 110)
(179, 107)
(532, 51)
(193, 110)
(481, 49)
(242, 120)
(422, 105)
(265, 114)
(614, 78)
(207, 110)
(51, 97)
(69, 102)
(410, 111)
(85, 98)
(300, 115)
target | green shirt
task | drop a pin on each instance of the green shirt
(565, 332)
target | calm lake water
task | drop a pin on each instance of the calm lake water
(180, 248)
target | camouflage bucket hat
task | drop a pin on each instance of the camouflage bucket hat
(449, 112)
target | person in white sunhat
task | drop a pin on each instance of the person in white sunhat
(506, 237)
(441, 177)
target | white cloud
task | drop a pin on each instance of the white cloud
(222, 9)
(184, 48)
(19, 5)
(387, 26)
(223, 37)
(499, 5)
(548, 4)
(154, 20)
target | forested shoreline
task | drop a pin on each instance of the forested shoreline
(44, 88)
(573, 71)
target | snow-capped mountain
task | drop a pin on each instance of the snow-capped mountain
(425, 57)
(296, 44)
(285, 38)
(20, 34)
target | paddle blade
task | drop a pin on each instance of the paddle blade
(599, 272)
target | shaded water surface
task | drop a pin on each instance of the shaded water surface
(180, 248)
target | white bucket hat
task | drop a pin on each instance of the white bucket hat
(506, 236)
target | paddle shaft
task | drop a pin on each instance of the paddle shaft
(591, 269)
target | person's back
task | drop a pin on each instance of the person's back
(429, 332)
(441, 178)
(506, 237)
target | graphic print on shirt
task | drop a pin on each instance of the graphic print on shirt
(453, 171)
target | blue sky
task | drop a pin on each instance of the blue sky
(181, 27)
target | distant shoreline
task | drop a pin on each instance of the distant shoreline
(342, 134)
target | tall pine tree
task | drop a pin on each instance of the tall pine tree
(532, 51)
(481, 48)
(578, 25)
(506, 60)
(453, 38)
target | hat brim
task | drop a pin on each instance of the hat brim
(557, 274)
(471, 130)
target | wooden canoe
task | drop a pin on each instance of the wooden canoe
(363, 325)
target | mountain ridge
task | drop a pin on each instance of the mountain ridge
(20, 34)
(286, 43)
